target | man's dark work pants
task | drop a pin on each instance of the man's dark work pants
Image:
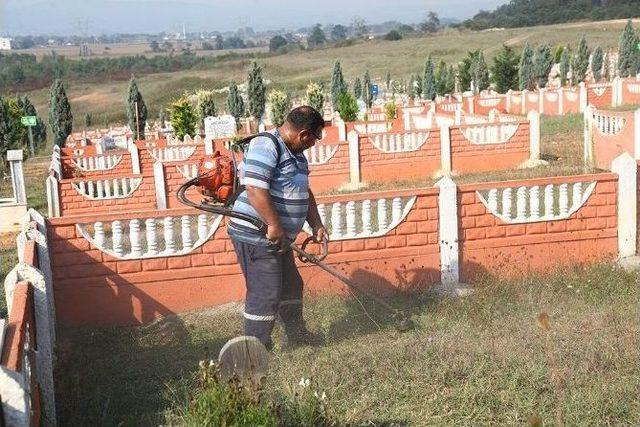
(274, 287)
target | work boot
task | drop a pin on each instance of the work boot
(299, 337)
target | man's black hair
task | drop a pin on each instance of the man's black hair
(305, 118)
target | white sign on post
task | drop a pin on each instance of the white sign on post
(220, 127)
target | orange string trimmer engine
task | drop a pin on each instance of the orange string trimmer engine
(217, 178)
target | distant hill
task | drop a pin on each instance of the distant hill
(528, 13)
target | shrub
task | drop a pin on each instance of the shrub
(347, 107)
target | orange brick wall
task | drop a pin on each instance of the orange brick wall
(629, 97)
(70, 170)
(488, 245)
(468, 157)
(479, 109)
(608, 147)
(603, 101)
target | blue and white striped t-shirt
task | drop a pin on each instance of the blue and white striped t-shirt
(286, 178)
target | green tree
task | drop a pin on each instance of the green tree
(338, 32)
(315, 97)
(627, 51)
(419, 86)
(431, 24)
(338, 85)
(183, 118)
(411, 89)
(155, 46)
(596, 63)
(526, 74)
(464, 70)
(39, 131)
(347, 107)
(235, 103)
(504, 70)
(580, 62)
(60, 117)
(442, 75)
(390, 110)
(607, 68)
(136, 111)
(276, 43)
(257, 91)
(393, 35)
(279, 106)
(162, 118)
(388, 80)
(87, 120)
(206, 105)
(542, 63)
(565, 66)
(428, 80)
(451, 80)
(480, 72)
(360, 27)
(557, 54)
(366, 89)
(12, 133)
(317, 37)
(357, 88)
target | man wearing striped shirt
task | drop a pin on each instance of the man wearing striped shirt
(275, 174)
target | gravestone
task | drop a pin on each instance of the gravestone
(220, 127)
(244, 358)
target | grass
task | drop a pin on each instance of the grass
(481, 360)
(292, 72)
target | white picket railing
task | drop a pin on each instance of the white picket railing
(451, 108)
(533, 97)
(320, 154)
(172, 154)
(107, 189)
(399, 142)
(599, 91)
(372, 128)
(489, 102)
(551, 96)
(151, 237)
(536, 203)
(189, 171)
(608, 125)
(497, 133)
(97, 163)
(363, 218)
(572, 96)
(633, 88)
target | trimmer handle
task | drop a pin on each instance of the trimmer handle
(306, 257)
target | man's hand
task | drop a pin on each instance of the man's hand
(320, 234)
(276, 234)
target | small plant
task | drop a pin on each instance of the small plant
(306, 406)
(347, 107)
(183, 118)
(279, 106)
(315, 97)
(390, 110)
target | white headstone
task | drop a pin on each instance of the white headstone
(220, 127)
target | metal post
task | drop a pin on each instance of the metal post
(137, 132)
(31, 145)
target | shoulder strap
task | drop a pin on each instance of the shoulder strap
(246, 140)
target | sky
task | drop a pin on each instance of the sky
(64, 17)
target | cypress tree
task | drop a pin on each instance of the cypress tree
(235, 103)
(87, 120)
(480, 72)
(60, 117)
(607, 68)
(347, 107)
(357, 88)
(39, 131)
(280, 104)
(504, 70)
(13, 134)
(580, 62)
(388, 80)
(206, 105)
(5, 141)
(627, 53)
(441, 78)
(542, 63)
(338, 85)
(596, 63)
(526, 76)
(183, 118)
(451, 80)
(315, 97)
(411, 90)
(162, 118)
(565, 65)
(256, 91)
(464, 70)
(366, 89)
(135, 97)
(428, 80)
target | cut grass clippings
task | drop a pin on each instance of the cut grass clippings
(563, 347)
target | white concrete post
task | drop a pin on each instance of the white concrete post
(342, 130)
(534, 135)
(161, 191)
(627, 169)
(587, 142)
(448, 231)
(472, 106)
(636, 134)
(208, 146)
(445, 150)
(135, 158)
(583, 97)
(53, 199)
(509, 101)
(15, 157)
(354, 157)
(561, 101)
(523, 102)
(407, 120)
(620, 98)
(541, 100)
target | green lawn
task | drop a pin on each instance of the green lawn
(481, 360)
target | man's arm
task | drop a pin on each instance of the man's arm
(314, 220)
(260, 199)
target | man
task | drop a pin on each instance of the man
(275, 174)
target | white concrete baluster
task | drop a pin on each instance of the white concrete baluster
(82, 186)
(564, 199)
(125, 186)
(116, 187)
(521, 203)
(116, 232)
(91, 166)
(366, 217)
(577, 195)
(506, 203)
(493, 200)
(203, 227)
(187, 242)
(169, 242)
(351, 219)
(323, 213)
(385, 142)
(90, 189)
(548, 201)
(534, 202)
(107, 188)
(98, 236)
(135, 238)
(382, 215)
(336, 220)
(99, 189)
(132, 183)
(152, 237)
(396, 209)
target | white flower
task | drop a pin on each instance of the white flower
(304, 382)
(324, 396)
(315, 394)
(201, 364)
(211, 363)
